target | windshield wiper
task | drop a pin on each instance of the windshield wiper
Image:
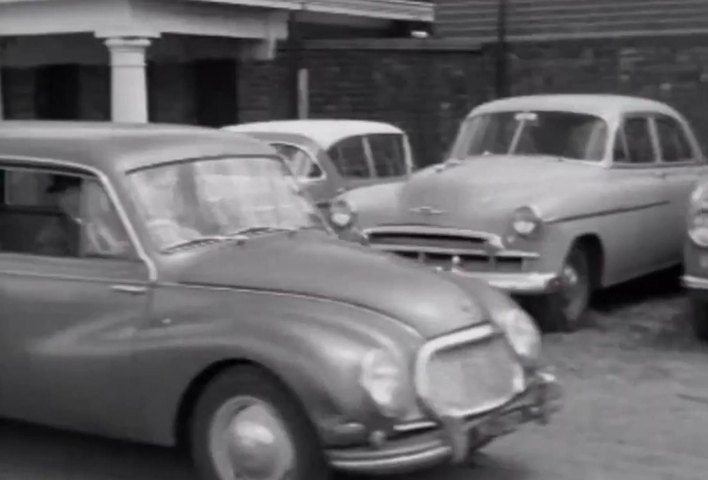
(197, 241)
(256, 230)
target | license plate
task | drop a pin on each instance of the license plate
(503, 424)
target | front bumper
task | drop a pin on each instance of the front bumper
(530, 283)
(453, 439)
(691, 282)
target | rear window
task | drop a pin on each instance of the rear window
(388, 155)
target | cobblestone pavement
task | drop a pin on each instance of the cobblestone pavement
(637, 408)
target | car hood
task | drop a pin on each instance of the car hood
(317, 265)
(483, 192)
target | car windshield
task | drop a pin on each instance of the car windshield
(190, 202)
(568, 135)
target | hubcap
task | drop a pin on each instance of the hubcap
(249, 441)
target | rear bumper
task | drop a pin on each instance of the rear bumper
(516, 283)
(694, 283)
(452, 439)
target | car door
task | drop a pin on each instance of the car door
(643, 210)
(68, 319)
(681, 165)
(353, 161)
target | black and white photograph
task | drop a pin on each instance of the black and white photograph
(353, 239)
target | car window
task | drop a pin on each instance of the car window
(675, 147)
(640, 149)
(301, 162)
(388, 154)
(60, 215)
(349, 156)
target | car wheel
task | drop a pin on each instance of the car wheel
(247, 426)
(699, 318)
(566, 309)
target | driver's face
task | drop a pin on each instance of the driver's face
(69, 201)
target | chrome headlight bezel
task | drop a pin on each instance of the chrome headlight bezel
(522, 333)
(526, 222)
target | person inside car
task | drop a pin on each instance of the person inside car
(60, 235)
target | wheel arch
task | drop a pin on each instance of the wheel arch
(592, 245)
(199, 383)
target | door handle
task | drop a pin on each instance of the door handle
(131, 289)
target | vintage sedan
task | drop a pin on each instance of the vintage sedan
(172, 285)
(548, 197)
(332, 156)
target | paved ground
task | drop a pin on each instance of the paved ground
(637, 408)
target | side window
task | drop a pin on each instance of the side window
(672, 139)
(349, 156)
(388, 155)
(640, 149)
(61, 215)
(301, 162)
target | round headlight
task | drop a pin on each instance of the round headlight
(525, 222)
(522, 333)
(341, 214)
(386, 381)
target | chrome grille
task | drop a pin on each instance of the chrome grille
(473, 376)
(449, 248)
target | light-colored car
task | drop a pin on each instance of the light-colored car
(548, 197)
(332, 156)
(695, 278)
(172, 285)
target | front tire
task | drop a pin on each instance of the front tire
(566, 310)
(247, 426)
(699, 318)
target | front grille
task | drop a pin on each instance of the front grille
(447, 249)
(473, 377)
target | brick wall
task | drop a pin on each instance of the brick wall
(673, 70)
(477, 19)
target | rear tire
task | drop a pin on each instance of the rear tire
(699, 318)
(246, 422)
(566, 310)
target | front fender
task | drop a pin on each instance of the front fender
(313, 346)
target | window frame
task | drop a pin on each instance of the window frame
(620, 132)
(62, 167)
(362, 138)
(309, 153)
(403, 151)
(693, 160)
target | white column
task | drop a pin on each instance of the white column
(129, 95)
(2, 106)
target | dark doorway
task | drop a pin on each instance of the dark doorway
(215, 85)
(57, 92)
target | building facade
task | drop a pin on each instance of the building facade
(206, 62)
(650, 48)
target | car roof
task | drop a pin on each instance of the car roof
(120, 146)
(601, 105)
(326, 132)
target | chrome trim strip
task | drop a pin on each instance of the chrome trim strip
(453, 251)
(522, 283)
(110, 190)
(414, 426)
(608, 212)
(694, 283)
(425, 354)
(395, 463)
(441, 231)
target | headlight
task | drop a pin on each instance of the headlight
(387, 382)
(522, 333)
(526, 222)
(341, 214)
(698, 217)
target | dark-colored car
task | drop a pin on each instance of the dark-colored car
(172, 285)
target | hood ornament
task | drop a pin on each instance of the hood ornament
(427, 211)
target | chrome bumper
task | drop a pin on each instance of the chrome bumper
(453, 438)
(515, 283)
(694, 283)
